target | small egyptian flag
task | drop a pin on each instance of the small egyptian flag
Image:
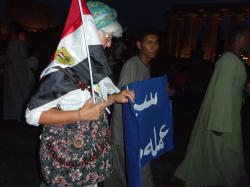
(56, 88)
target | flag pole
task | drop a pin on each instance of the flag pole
(87, 50)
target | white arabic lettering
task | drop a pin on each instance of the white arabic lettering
(149, 149)
(146, 103)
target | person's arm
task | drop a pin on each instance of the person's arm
(121, 97)
(89, 112)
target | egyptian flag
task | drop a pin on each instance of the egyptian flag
(71, 55)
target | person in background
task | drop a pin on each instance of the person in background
(214, 156)
(33, 65)
(135, 69)
(16, 81)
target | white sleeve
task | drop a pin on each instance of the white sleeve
(33, 116)
(73, 100)
(107, 87)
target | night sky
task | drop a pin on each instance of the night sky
(151, 12)
(132, 13)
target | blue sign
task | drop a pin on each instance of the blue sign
(148, 126)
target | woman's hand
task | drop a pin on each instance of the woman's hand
(91, 111)
(121, 97)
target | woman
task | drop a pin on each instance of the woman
(74, 112)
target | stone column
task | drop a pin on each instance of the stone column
(171, 33)
(211, 38)
(179, 30)
(190, 36)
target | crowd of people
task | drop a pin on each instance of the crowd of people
(214, 155)
(20, 68)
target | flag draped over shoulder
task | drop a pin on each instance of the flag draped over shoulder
(71, 54)
(148, 129)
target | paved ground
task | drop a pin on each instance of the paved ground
(19, 147)
(19, 165)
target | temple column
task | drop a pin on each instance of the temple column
(211, 38)
(190, 36)
(171, 34)
(179, 31)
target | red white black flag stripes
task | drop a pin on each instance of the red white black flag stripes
(72, 56)
(70, 50)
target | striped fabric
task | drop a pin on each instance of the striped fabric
(71, 55)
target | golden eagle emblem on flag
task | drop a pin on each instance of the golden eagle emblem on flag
(63, 56)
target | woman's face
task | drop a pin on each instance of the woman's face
(106, 38)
